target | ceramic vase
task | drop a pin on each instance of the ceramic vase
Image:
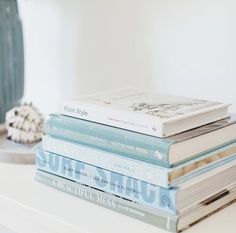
(11, 57)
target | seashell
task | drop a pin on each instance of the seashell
(201, 164)
(176, 174)
(215, 157)
(207, 160)
(24, 124)
(189, 168)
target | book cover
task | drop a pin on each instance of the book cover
(127, 143)
(108, 181)
(154, 174)
(109, 201)
(145, 111)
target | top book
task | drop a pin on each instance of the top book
(145, 111)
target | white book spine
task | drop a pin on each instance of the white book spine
(129, 167)
(126, 120)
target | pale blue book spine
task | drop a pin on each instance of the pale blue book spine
(137, 169)
(110, 182)
(130, 144)
(150, 173)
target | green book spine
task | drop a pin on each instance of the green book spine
(112, 202)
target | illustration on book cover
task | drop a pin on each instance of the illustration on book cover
(151, 103)
(165, 110)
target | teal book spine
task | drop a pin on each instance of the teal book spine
(138, 211)
(126, 187)
(130, 144)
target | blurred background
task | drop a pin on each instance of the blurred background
(184, 47)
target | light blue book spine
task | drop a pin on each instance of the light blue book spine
(150, 173)
(139, 170)
(130, 144)
(110, 182)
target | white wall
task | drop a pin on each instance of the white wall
(181, 47)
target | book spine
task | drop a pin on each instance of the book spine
(139, 170)
(133, 145)
(117, 118)
(131, 209)
(111, 182)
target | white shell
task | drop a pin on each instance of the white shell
(24, 124)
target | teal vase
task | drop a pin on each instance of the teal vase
(11, 57)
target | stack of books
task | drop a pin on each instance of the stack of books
(166, 160)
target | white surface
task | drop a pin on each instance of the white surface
(5, 230)
(179, 47)
(29, 207)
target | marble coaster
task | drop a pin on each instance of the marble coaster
(12, 152)
(2, 128)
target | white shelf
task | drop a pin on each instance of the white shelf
(29, 207)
